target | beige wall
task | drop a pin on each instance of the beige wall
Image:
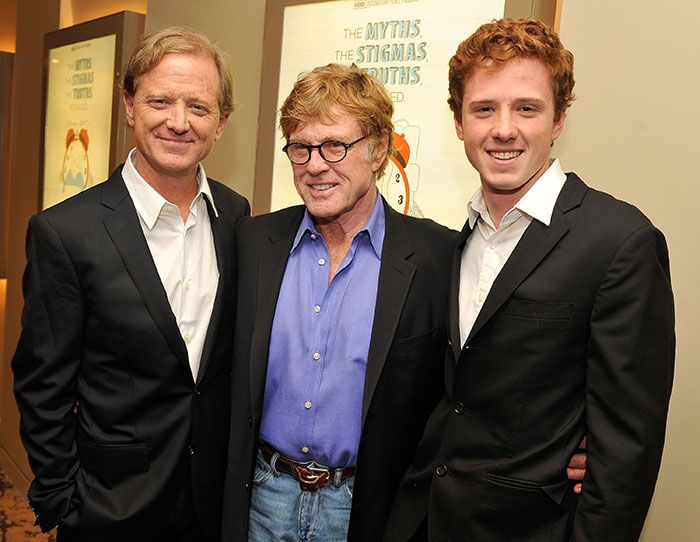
(633, 132)
(33, 20)
(237, 25)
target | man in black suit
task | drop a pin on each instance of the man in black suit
(561, 324)
(122, 367)
(340, 330)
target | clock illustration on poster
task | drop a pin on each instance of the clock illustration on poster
(75, 170)
(400, 180)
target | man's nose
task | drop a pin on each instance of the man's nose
(504, 127)
(178, 121)
(316, 163)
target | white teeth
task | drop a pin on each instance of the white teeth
(505, 155)
(322, 186)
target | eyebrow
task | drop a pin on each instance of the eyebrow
(341, 139)
(169, 96)
(478, 103)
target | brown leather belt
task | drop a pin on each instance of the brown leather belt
(311, 475)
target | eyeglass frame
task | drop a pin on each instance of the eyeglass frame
(309, 148)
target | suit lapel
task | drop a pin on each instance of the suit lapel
(125, 231)
(537, 241)
(223, 245)
(453, 336)
(395, 277)
(271, 265)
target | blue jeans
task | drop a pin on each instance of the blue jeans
(281, 512)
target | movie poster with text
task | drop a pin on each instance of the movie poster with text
(407, 44)
(78, 117)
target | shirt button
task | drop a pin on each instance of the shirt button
(187, 286)
(322, 261)
(305, 449)
(307, 405)
(186, 337)
(317, 356)
(313, 236)
(441, 470)
(317, 308)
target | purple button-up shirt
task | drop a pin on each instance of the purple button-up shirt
(319, 345)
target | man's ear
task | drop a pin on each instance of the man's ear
(558, 127)
(220, 127)
(129, 108)
(458, 126)
(381, 149)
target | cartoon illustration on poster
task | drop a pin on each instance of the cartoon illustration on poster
(78, 117)
(76, 162)
(407, 45)
(399, 184)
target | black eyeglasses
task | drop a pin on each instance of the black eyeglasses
(330, 151)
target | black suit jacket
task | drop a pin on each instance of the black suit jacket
(110, 415)
(404, 378)
(575, 337)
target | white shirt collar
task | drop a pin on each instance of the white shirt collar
(538, 202)
(149, 202)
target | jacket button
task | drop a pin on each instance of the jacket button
(190, 450)
(441, 470)
(250, 421)
(458, 408)
(247, 486)
(197, 392)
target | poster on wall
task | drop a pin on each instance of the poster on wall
(79, 95)
(407, 44)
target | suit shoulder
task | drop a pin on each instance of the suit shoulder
(576, 193)
(231, 202)
(78, 208)
(428, 231)
(287, 217)
(606, 212)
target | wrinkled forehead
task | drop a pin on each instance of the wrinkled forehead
(332, 121)
(492, 65)
(193, 60)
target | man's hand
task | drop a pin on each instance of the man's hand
(577, 466)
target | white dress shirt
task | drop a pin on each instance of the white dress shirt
(488, 248)
(183, 253)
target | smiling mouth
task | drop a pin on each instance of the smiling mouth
(321, 187)
(172, 141)
(500, 155)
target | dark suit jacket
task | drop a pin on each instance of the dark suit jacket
(575, 337)
(403, 381)
(110, 415)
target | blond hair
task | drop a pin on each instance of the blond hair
(317, 93)
(182, 40)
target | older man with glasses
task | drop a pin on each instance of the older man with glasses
(340, 346)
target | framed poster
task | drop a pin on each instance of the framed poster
(84, 132)
(406, 44)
